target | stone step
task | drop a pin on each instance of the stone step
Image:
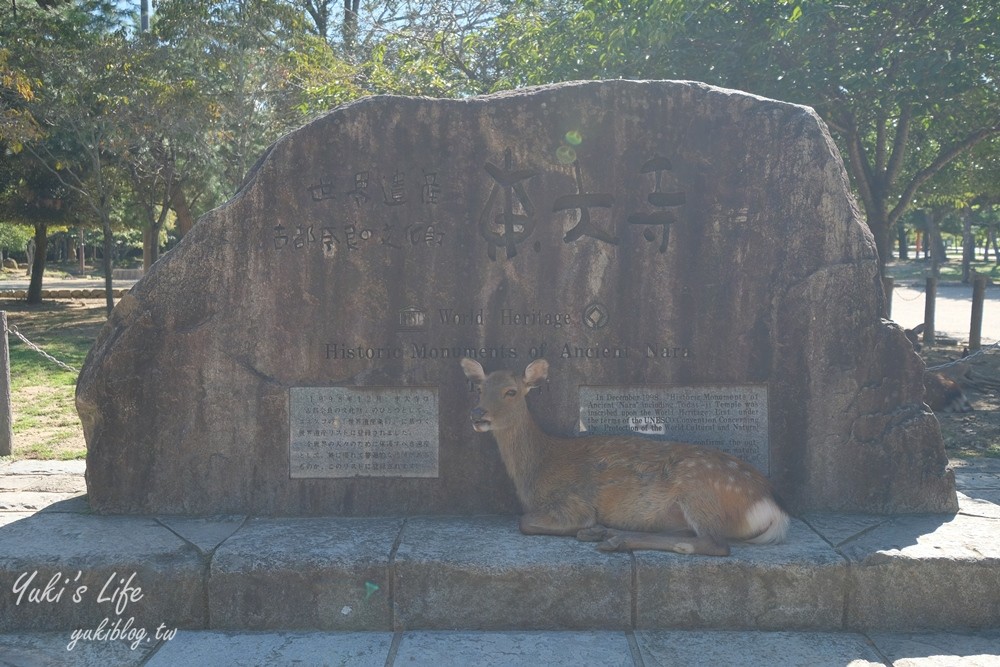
(66, 568)
(714, 648)
(836, 572)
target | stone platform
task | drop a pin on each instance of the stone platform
(406, 582)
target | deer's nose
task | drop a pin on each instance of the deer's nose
(477, 414)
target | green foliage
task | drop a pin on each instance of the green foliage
(14, 238)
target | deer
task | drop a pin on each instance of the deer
(623, 492)
(943, 391)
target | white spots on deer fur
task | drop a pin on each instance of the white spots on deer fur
(733, 464)
(346, 611)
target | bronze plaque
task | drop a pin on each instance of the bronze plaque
(363, 432)
(732, 418)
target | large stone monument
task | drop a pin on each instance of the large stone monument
(688, 259)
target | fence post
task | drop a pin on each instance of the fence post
(976, 327)
(888, 282)
(6, 418)
(931, 294)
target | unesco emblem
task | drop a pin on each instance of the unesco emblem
(596, 316)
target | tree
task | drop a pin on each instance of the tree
(244, 73)
(84, 72)
(966, 189)
(908, 87)
(31, 195)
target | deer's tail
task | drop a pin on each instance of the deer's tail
(767, 522)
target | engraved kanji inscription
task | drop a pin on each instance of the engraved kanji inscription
(431, 190)
(395, 194)
(322, 190)
(667, 202)
(360, 192)
(508, 228)
(583, 202)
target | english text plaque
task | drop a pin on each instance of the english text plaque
(732, 418)
(363, 432)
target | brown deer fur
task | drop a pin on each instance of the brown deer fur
(625, 492)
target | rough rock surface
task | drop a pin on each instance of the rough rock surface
(633, 233)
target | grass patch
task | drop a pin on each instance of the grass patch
(918, 270)
(45, 424)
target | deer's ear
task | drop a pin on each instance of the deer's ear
(536, 373)
(473, 370)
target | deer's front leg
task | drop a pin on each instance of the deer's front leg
(547, 524)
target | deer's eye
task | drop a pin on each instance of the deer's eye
(510, 393)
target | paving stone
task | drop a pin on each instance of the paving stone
(322, 573)
(837, 528)
(74, 505)
(795, 585)
(979, 473)
(357, 649)
(933, 572)
(721, 648)
(982, 503)
(36, 467)
(52, 649)
(513, 649)
(32, 501)
(482, 573)
(73, 484)
(939, 649)
(7, 518)
(63, 558)
(205, 533)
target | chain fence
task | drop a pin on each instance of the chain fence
(13, 329)
(920, 292)
(981, 351)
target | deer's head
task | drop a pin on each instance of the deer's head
(501, 394)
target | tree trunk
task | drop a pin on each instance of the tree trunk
(904, 241)
(935, 243)
(38, 262)
(109, 246)
(968, 245)
(878, 223)
(349, 29)
(185, 220)
(150, 246)
(151, 234)
(83, 254)
(147, 248)
(993, 241)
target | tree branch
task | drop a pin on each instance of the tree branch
(880, 140)
(899, 144)
(944, 157)
(857, 161)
